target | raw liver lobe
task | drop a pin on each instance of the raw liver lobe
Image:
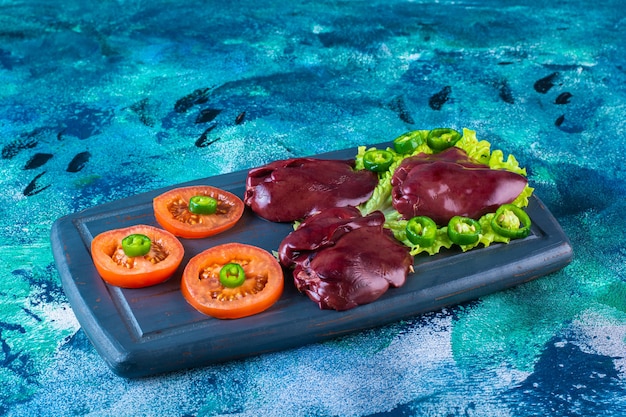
(449, 184)
(291, 189)
(342, 260)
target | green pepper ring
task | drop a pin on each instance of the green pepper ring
(406, 143)
(232, 275)
(521, 231)
(463, 230)
(202, 204)
(377, 160)
(442, 138)
(136, 244)
(421, 230)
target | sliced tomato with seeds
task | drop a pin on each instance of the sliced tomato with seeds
(173, 212)
(147, 268)
(262, 287)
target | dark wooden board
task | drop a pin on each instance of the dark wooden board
(140, 332)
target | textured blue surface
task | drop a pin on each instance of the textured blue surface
(105, 99)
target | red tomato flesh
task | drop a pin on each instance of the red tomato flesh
(263, 285)
(166, 254)
(171, 210)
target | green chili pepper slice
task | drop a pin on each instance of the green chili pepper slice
(202, 204)
(442, 138)
(377, 160)
(232, 275)
(136, 245)
(511, 221)
(421, 230)
(463, 230)
(408, 142)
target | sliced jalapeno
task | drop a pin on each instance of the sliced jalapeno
(136, 245)
(377, 160)
(232, 275)
(442, 138)
(463, 230)
(202, 204)
(421, 230)
(407, 142)
(511, 221)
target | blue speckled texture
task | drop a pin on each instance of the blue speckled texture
(105, 99)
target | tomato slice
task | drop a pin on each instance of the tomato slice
(171, 210)
(116, 268)
(262, 287)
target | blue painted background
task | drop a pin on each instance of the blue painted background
(105, 99)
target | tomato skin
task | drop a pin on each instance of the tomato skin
(255, 262)
(144, 272)
(171, 210)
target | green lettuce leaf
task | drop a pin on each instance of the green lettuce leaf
(478, 150)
